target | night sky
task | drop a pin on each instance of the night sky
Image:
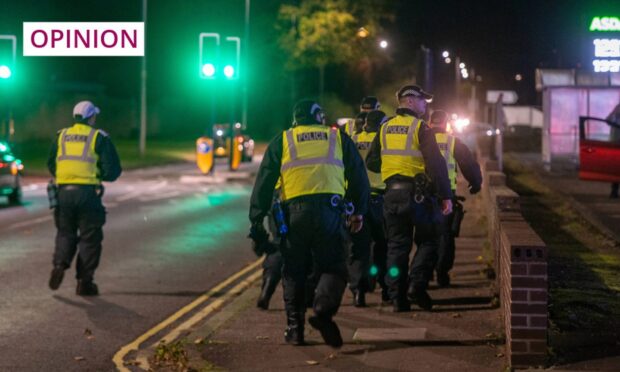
(497, 38)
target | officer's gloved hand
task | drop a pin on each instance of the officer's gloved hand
(260, 238)
(355, 223)
(474, 189)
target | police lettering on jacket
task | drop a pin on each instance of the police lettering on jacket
(397, 129)
(312, 136)
(363, 146)
(75, 138)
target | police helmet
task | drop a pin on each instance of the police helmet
(370, 103)
(308, 112)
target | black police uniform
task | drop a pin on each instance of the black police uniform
(80, 216)
(402, 214)
(468, 165)
(369, 246)
(315, 232)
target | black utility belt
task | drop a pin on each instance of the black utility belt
(375, 191)
(78, 187)
(400, 186)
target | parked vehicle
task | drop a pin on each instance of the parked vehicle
(221, 141)
(10, 174)
(599, 153)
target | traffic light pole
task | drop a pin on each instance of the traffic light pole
(244, 84)
(143, 90)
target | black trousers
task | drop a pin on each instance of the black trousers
(447, 248)
(79, 218)
(315, 245)
(368, 246)
(403, 218)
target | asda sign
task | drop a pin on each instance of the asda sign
(605, 24)
(606, 44)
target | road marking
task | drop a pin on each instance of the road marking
(120, 355)
(188, 324)
(30, 222)
(140, 192)
(171, 194)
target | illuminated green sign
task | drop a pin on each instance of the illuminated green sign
(605, 24)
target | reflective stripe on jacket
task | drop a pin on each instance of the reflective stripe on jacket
(311, 161)
(400, 147)
(362, 141)
(446, 146)
(76, 160)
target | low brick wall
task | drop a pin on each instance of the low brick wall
(520, 265)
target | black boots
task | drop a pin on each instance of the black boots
(401, 305)
(328, 329)
(359, 299)
(420, 297)
(56, 277)
(443, 279)
(294, 333)
(269, 287)
(86, 288)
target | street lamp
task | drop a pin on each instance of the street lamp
(362, 33)
(383, 44)
(445, 54)
(5, 72)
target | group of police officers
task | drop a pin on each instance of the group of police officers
(345, 206)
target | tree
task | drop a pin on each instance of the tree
(317, 33)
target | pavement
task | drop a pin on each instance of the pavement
(463, 332)
(590, 198)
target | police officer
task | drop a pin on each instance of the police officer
(455, 153)
(369, 103)
(314, 162)
(372, 236)
(80, 159)
(403, 151)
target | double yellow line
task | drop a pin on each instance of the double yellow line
(134, 345)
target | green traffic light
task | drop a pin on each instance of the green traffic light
(5, 72)
(208, 70)
(229, 71)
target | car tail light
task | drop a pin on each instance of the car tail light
(3, 165)
(14, 168)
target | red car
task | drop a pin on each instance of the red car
(599, 156)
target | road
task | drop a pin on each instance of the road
(170, 236)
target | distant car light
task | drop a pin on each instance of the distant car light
(489, 133)
(461, 124)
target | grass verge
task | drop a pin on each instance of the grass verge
(584, 271)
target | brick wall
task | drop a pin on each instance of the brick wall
(520, 263)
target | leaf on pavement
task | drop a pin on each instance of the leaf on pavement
(456, 315)
(312, 362)
(87, 332)
(199, 340)
(262, 337)
(79, 358)
(131, 362)
(499, 355)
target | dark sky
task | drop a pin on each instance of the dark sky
(502, 38)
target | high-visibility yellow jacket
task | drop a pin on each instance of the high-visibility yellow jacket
(311, 161)
(446, 146)
(400, 147)
(363, 141)
(76, 160)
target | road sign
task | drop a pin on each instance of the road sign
(509, 97)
